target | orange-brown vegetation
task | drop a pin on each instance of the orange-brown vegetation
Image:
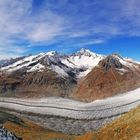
(31, 131)
(126, 127)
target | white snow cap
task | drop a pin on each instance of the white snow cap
(51, 53)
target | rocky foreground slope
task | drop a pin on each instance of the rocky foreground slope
(6, 135)
(126, 127)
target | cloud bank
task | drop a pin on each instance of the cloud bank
(26, 23)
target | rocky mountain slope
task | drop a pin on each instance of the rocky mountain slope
(46, 74)
(83, 75)
(113, 75)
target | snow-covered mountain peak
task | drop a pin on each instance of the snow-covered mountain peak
(85, 58)
(83, 51)
(86, 52)
(124, 59)
(116, 62)
(79, 63)
(52, 53)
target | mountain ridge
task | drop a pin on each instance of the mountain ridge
(56, 62)
(113, 75)
(54, 74)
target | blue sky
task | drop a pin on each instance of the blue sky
(103, 26)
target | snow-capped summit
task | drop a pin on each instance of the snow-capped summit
(6, 62)
(3, 61)
(86, 52)
(122, 65)
(129, 63)
(52, 53)
(38, 63)
(85, 58)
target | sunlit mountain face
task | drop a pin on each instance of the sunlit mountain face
(69, 69)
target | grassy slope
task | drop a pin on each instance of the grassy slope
(126, 127)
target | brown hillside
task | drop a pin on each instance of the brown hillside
(108, 79)
(35, 84)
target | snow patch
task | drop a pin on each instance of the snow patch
(38, 67)
(59, 70)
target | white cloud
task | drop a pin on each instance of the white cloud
(92, 42)
(44, 29)
(12, 52)
(122, 17)
(11, 14)
(17, 22)
(77, 34)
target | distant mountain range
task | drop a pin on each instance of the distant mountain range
(79, 63)
(83, 75)
(6, 62)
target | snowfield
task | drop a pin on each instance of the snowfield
(6, 135)
(98, 109)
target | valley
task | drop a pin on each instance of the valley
(74, 117)
(71, 95)
(126, 127)
(69, 70)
